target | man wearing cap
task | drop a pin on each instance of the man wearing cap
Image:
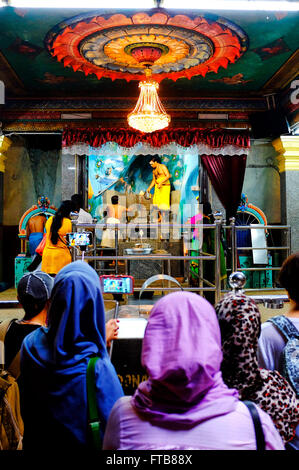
(34, 291)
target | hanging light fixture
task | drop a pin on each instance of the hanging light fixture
(149, 114)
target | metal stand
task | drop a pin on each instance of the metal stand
(201, 257)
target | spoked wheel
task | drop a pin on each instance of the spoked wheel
(244, 218)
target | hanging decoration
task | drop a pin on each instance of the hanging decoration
(149, 114)
(129, 138)
(122, 46)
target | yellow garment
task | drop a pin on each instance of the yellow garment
(161, 197)
(55, 257)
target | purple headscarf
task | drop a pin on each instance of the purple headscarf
(182, 355)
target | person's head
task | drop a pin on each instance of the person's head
(114, 200)
(65, 208)
(155, 160)
(240, 325)
(34, 291)
(62, 212)
(182, 346)
(181, 352)
(77, 200)
(207, 211)
(288, 277)
(76, 317)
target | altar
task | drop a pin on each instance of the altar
(145, 267)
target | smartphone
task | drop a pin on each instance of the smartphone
(79, 238)
(117, 284)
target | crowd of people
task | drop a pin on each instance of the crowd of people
(213, 373)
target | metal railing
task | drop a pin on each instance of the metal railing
(204, 285)
(178, 230)
(235, 249)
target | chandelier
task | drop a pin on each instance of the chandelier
(149, 114)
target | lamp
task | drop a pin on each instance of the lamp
(149, 114)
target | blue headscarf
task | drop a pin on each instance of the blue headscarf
(54, 359)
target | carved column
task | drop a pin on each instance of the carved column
(5, 143)
(4, 146)
(287, 148)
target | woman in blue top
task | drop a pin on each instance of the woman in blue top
(54, 362)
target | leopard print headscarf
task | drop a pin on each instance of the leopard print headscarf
(240, 324)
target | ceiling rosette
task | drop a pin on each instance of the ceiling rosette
(179, 46)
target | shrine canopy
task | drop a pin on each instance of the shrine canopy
(166, 141)
(223, 152)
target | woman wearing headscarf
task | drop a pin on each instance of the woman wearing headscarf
(272, 340)
(56, 253)
(240, 325)
(184, 404)
(54, 363)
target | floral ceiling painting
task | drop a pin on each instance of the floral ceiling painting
(98, 53)
(104, 45)
(93, 53)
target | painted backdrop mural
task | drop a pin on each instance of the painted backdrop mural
(133, 174)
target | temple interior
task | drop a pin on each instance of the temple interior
(227, 102)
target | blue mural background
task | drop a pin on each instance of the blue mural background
(134, 174)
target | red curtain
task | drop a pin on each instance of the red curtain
(182, 136)
(225, 172)
(227, 175)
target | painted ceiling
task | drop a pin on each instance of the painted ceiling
(86, 53)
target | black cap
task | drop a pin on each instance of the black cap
(37, 284)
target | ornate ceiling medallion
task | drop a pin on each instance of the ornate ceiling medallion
(119, 46)
(146, 53)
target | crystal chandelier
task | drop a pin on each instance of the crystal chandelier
(149, 114)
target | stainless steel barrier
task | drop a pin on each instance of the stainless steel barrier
(233, 229)
(204, 285)
(237, 282)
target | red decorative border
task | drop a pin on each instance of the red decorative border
(185, 137)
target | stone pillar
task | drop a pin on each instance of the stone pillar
(68, 176)
(4, 146)
(287, 147)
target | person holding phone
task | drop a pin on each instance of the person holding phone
(56, 253)
(184, 403)
(54, 362)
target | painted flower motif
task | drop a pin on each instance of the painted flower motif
(177, 173)
(99, 45)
